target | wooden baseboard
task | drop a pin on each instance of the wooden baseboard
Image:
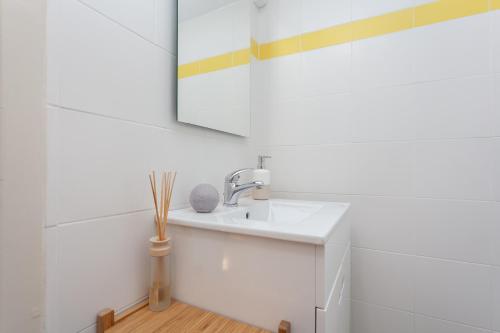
(106, 319)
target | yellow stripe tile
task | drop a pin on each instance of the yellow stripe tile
(216, 63)
(254, 47)
(279, 48)
(241, 57)
(326, 37)
(439, 11)
(383, 24)
(187, 70)
(444, 10)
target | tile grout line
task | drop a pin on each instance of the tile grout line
(127, 28)
(132, 122)
(182, 128)
(490, 75)
(93, 219)
(392, 141)
(454, 261)
(421, 314)
(406, 197)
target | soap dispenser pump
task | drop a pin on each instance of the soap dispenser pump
(264, 175)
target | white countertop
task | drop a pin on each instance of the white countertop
(293, 220)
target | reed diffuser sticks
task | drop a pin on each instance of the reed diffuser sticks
(162, 201)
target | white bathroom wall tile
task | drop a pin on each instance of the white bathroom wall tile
(259, 83)
(190, 156)
(279, 19)
(384, 114)
(432, 325)
(316, 120)
(327, 70)
(454, 291)
(459, 169)
(495, 33)
(108, 70)
(495, 236)
(366, 8)
(326, 119)
(440, 54)
(259, 127)
(383, 168)
(454, 108)
(323, 169)
(315, 196)
(495, 100)
(51, 280)
(495, 277)
(320, 14)
(224, 157)
(367, 318)
(285, 123)
(93, 283)
(383, 278)
(384, 60)
(458, 230)
(383, 223)
(136, 15)
(241, 25)
(97, 169)
(284, 79)
(496, 165)
(95, 166)
(53, 148)
(53, 50)
(166, 15)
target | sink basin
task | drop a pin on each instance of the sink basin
(276, 211)
(294, 220)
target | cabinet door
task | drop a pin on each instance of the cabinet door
(329, 258)
(335, 318)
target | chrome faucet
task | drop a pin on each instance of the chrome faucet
(232, 190)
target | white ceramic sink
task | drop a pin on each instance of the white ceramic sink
(294, 220)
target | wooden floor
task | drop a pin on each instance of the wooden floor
(180, 318)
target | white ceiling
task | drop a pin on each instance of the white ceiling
(193, 8)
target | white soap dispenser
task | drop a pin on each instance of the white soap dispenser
(264, 175)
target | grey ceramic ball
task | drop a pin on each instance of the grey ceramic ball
(204, 198)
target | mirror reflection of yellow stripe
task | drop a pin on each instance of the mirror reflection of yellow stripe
(431, 13)
(216, 63)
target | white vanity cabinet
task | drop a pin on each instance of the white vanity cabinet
(333, 285)
(260, 279)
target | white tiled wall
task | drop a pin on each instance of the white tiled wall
(111, 119)
(404, 126)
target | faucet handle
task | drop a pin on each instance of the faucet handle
(235, 175)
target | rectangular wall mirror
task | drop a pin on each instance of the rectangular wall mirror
(214, 64)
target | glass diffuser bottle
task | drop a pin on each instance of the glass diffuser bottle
(159, 281)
